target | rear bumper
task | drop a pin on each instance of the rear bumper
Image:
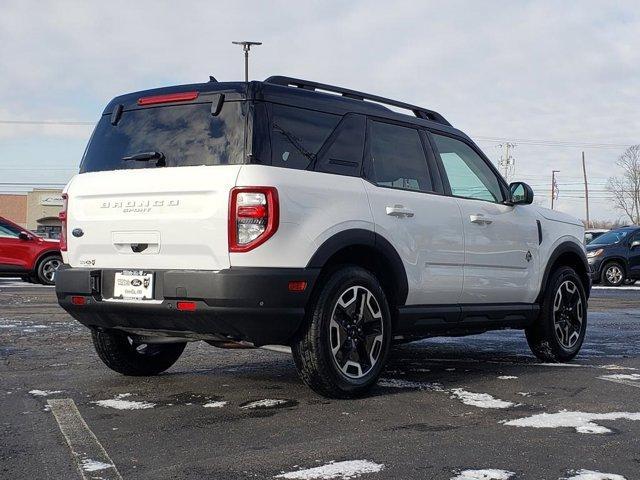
(252, 304)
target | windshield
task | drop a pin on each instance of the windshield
(181, 135)
(610, 237)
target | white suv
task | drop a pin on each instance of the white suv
(288, 212)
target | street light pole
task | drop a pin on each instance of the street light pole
(246, 46)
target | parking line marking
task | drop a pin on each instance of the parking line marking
(91, 458)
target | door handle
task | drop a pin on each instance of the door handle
(479, 219)
(399, 211)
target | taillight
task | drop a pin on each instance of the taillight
(253, 217)
(63, 221)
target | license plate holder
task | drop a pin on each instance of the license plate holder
(133, 285)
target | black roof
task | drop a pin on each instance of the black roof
(301, 93)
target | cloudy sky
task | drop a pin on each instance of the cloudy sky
(555, 78)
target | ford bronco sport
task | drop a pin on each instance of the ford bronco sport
(288, 212)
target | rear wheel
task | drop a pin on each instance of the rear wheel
(345, 344)
(559, 331)
(47, 268)
(121, 353)
(613, 274)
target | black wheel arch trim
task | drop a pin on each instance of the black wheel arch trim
(43, 255)
(565, 247)
(359, 236)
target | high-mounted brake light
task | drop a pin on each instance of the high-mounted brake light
(168, 98)
(253, 217)
(63, 221)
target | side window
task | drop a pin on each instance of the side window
(397, 158)
(468, 174)
(7, 231)
(297, 135)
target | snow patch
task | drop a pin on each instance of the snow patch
(44, 393)
(581, 421)
(487, 474)
(507, 377)
(616, 367)
(119, 404)
(214, 404)
(574, 365)
(480, 400)
(266, 403)
(591, 475)
(399, 383)
(89, 465)
(621, 376)
(340, 470)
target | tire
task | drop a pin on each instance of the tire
(349, 315)
(122, 355)
(559, 331)
(629, 281)
(47, 267)
(612, 274)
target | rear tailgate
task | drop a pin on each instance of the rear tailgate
(150, 218)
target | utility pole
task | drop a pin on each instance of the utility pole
(507, 162)
(554, 186)
(246, 46)
(586, 190)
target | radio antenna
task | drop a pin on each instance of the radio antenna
(246, 46)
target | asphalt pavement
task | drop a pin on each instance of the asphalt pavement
(445, 408)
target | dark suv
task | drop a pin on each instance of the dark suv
(615, 256)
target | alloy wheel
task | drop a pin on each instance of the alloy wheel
(356, 332)
(568, 314)
(614, 274)
(50, 268)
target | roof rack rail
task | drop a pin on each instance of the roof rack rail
(345, 92)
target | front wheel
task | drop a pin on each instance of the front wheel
(123, 354)
(613, 274)
(559, 330)
(344, 346)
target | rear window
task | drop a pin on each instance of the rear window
(185, 135)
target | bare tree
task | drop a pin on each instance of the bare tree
(625, 189)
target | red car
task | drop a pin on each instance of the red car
(25, 254)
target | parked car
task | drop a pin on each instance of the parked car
(25, 254)
(614, 257)
(288, 212)
(593, 233)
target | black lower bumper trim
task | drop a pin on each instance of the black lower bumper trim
(252, 304)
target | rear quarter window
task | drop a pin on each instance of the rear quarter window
(187, 135)
(297, 134)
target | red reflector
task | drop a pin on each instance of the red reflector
(297, 286)
(78, 300)
(186, 306)
(168, 98)
(255, 211)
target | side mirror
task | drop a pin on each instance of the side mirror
(634, 244)
(521, 194)
(24, 236)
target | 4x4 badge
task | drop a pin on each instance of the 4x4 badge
(528, 256)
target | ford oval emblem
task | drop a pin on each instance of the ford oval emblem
(136, 282)
(77, 232)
